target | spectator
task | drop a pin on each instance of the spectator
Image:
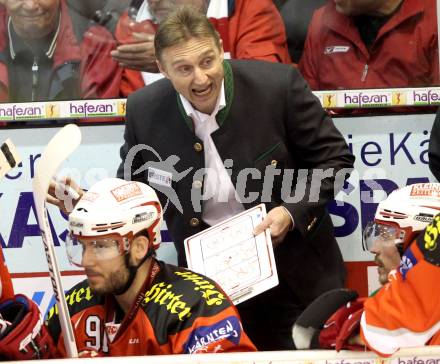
(49, 53)
(211, 111)
(372, 44)
(130, 303)
(296, 15)
(250, 29)
(103, 12)
(434, 148)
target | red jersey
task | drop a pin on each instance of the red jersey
(6, 289)
(406, 311)
(180, 312)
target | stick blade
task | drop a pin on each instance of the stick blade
(59, 148)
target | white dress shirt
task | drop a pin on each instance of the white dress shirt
(223, 201)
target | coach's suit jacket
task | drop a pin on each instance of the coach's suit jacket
(434, 147)
(272, 120)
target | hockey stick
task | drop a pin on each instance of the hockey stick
(58, 150)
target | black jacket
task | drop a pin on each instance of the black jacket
(434, 148)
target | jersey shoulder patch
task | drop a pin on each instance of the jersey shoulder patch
(429, 242)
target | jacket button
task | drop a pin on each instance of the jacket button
(198, 147)
(311, 224)
(194, 222)
(274, 162)
(197, 184)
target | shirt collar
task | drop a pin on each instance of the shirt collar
(221, 103)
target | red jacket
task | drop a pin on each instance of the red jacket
(404, 54)
(99, 75)
(254, 31)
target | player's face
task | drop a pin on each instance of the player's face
(195, 68)
(387, 258)
(357, 7)
(33, 19)
(105, 276)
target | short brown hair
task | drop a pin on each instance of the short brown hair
(181, 25)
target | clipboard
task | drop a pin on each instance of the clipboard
(241, 263)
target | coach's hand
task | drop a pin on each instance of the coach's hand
(278, 221)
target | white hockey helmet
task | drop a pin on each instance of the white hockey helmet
(110, 215)
(402, 215)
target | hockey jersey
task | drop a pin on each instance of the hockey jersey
(406, 311)
(6, 288)
(181, 312)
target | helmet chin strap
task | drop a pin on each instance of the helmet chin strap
(132, 270)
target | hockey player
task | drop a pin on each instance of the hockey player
(407, 302)
(398, 220)
(131, 303)
(405, 313)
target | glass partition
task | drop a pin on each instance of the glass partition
(366, 54)
(80, 59)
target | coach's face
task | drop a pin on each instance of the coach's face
(195, 68)
(33, 19)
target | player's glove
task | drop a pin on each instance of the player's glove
(342, 325)
(308, 326)
(23, 335)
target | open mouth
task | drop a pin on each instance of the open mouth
(202, 91)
